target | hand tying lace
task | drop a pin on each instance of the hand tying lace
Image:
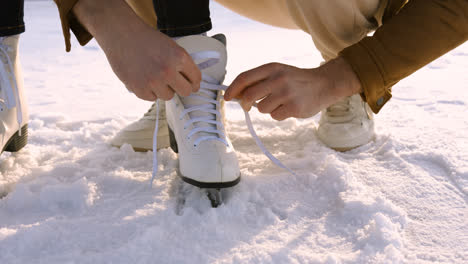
(209, 87)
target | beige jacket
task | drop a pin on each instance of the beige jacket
(408, 36)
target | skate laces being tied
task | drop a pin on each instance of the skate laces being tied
(209, 87)
(9, 85)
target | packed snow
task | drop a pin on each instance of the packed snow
(69, 197)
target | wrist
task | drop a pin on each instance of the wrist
(107, 20)
(345, 80)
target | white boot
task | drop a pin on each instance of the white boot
(13, 108)
(347, 124)
(139, 134)
(207, 158)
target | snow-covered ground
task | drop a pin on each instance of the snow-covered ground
(69, 197)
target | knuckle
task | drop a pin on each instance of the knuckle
(162, 93)
(274, 66)
(295, 110)
(150, 81)
(286, 93)
(271, 65)
(143, 95)
(248, 96)
(198, 76)
(163, 73)
(130, 88)
(185, 91)
(138, 94)
(289, 93)
(276, 116)
(167, 94)
(180, 55)
(151, 97)
(166, 72)
(262, 108)
(282, 78)
(242, 78)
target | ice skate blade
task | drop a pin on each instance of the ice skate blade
(211, 185)
(344, 149)
(215, 197)
(17, 142)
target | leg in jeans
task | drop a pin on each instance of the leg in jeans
(14, 112)
(178, 18)
(11, 17)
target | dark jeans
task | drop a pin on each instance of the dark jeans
(175, 17)
(11, 17)
(182, 17)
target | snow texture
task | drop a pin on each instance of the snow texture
(69, 197)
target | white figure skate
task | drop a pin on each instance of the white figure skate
(139, 134)
(13, 108)
(347, 124)
(207, 158)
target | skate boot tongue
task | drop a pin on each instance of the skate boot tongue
(202, 98)
(203, 107)
(340, 112)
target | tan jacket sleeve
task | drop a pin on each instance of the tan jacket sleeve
(143, 8)
(422, 31)
(70, 22)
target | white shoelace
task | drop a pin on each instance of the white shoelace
(209, 86)
(11, 87)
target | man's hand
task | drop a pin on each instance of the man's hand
(150, 64)
(286, 91)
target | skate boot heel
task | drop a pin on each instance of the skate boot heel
(17, 142)
(172, 141)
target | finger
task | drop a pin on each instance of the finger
(245, 106)
(282, 112)
(194, 87)
(247, 79)
(257, 91)
(190, 72)
(165, 93)
(145, 94)
(181, 86)
(270, 103)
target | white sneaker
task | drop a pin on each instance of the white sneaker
(207, 158)
(347, 124)
(139, 134)
(13, 108)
